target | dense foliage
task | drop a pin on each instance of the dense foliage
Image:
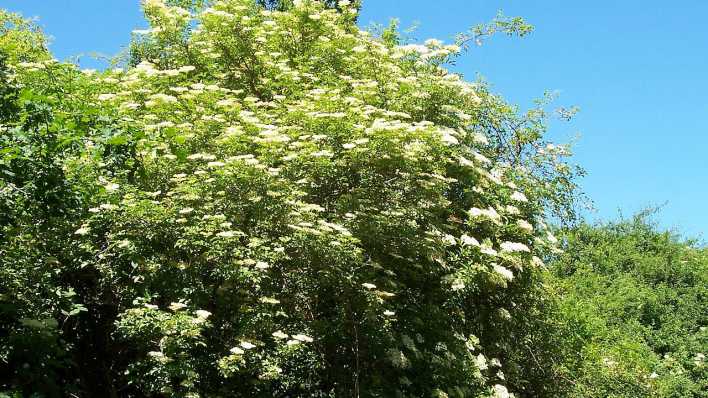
(270, 203)
(636, 305)
(267, 200)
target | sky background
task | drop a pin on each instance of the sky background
(636, 69)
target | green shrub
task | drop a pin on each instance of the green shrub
(635, 300)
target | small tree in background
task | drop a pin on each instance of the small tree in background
(633, 299)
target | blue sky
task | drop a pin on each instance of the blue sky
(637, 70)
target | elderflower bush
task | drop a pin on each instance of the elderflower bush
(278, 203)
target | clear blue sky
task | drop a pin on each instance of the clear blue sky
(636, 68)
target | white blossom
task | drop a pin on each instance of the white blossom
(525, 225)
(247, 346)
(303, 338)
(519, 197)
(481, 362)
(269, 300)
(177, 306)
(469, 240)
(500, 391)
(514, 247)
(84, 230)
(503, 272)
(106, 97)
(156, 354)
